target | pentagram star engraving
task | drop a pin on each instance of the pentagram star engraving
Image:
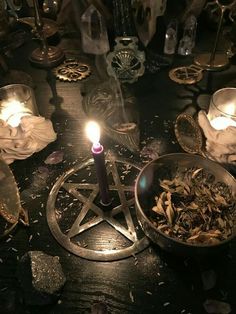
(107, 216)
(87, 213)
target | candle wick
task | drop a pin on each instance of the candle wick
(97, 148)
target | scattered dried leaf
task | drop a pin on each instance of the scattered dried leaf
(54, 158)
(131, 296)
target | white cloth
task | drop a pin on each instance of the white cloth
(220, 144)
(33, 134)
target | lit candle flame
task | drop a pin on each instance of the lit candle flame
(93, 132)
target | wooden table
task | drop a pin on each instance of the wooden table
(149, 282)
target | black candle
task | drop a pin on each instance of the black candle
(93, 132)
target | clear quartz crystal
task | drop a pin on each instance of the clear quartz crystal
(171, 37)
(187, 42)
(94, 32)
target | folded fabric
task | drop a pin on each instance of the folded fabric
(220, 144)
(32, 135)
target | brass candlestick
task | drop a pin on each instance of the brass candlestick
(45, 56)
(215, 61)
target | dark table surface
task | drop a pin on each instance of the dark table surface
(149, 282)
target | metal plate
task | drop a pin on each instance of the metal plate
(220, 61)
(10, 206)
(72, 70)
(73, 211)
(186, 75)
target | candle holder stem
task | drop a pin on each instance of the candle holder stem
(215, 61)
(46, 56)
(213, 53)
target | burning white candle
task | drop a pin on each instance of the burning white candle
(16, 101)
(12, 111)
(221, 123)
(93, 133)
(222, 108)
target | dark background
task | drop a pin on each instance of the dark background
(153, 281)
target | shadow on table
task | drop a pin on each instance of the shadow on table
(208, 276)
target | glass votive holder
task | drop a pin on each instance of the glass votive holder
(16, 101)
(222, 108)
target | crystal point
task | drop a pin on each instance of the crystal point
(187, 42)
(94, 32)
(171, 37)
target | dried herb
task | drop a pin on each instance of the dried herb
(194, 208)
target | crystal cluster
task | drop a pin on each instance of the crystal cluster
(41, 278)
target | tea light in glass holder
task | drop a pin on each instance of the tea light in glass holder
(222, 109)
(16, 101)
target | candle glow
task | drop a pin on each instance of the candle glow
(93, 132)
(12, 111)
(230, 108)
(221, 123)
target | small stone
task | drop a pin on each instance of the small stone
(54, 158)
(216, 307)
(208, 279)
(41, 278)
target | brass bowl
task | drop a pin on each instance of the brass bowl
(147, 187)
